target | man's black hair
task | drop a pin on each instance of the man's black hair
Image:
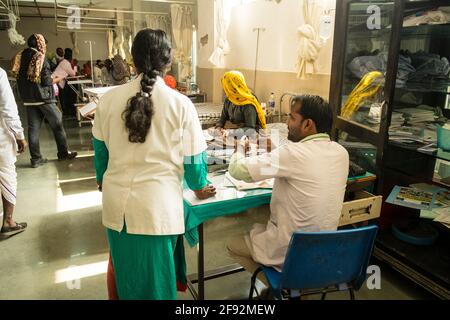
(317, 109)
(68, 54)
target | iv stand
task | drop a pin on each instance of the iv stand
(256, 55)
(92, 65)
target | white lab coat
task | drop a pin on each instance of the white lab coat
(143, 183)
(308, 194)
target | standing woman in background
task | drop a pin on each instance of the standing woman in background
(107, 73)
(67, 96)
(147, 137)
(120, 72)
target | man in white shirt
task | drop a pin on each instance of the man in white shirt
(310, 174)
(12, 141)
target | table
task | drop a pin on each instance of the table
(208, 113)
(74, 81)
(94, 94)
(227, 201)
(197, 97)
(97, 92)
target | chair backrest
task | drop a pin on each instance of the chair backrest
(321, 259)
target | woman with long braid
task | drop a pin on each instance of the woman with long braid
(147, 137)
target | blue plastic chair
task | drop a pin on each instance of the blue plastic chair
(322, 262)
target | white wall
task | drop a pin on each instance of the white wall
(28, 26)
(206, 27)
(278, 43)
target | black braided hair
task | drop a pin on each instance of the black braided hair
(151, 53)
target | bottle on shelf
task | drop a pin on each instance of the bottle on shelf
(272, 103)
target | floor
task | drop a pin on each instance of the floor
(63, 254)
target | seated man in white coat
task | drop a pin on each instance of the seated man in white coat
(12, 141)
(310, 174)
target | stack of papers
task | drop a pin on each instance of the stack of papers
(397, 119)
(418, 115)
(406, 134)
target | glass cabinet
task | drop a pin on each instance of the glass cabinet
(390, 92)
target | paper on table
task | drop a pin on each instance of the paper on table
(443, 215)
(242, 185)
(88, 109)
(99, 91)
(222, 194)
(428, 214)
(207, 136)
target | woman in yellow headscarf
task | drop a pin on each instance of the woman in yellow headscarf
(241, 109)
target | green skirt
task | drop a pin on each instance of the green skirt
(144, 265)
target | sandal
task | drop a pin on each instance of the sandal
(11, 231)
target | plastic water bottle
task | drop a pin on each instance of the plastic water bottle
(272, 103)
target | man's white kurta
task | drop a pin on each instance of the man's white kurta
(10, 131)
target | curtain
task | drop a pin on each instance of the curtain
(118, 42)
(126, 44)
(223, 16)
(161, 22)
(309, 44)
(74, 39)
(14, 37)
(182, 38)
(110, 42)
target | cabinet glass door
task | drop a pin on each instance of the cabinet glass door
(368, 41)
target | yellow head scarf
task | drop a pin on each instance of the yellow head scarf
(239, 94)
(368, 87)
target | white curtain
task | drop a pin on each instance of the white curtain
(119, 36)
(118, 42)
(126, 43)
(223, 16)
(309, 44)
(74, 39)
(182, 38)
(15, 37)
(110, 42)
(161, 22)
